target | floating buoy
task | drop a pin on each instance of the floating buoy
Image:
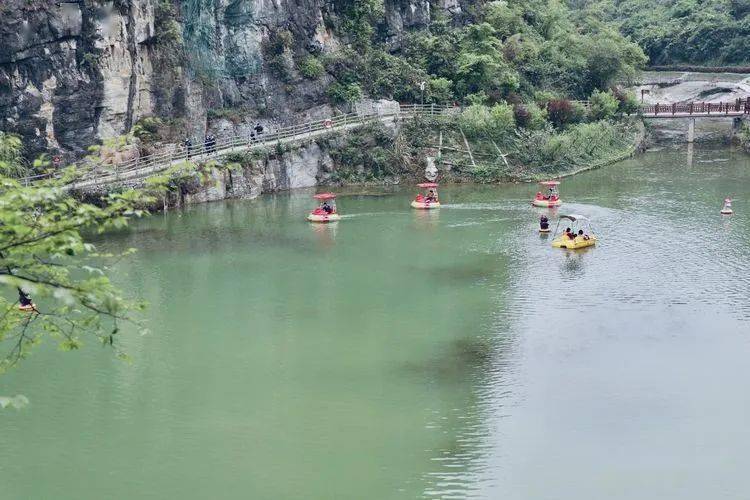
(727, 209)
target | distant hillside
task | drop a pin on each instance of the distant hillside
(707, 32)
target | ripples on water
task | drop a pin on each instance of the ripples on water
(664, 251)
(399, 353)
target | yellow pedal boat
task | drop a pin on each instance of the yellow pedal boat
(574, 244)
(578, 223)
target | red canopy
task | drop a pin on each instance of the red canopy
(325, 196)
(428, 185)
(550, 183)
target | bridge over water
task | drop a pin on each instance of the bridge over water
(136, 170)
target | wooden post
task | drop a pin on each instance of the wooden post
(468, 148)
(500, 153)
(691, 131)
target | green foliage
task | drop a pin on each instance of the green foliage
(530, 116)
(277, 52)
(495, 122)
(627, 102)
(168, 30)
(344, 93)
(45, 250)
(478, 99)
(234, 115)
(367, 154)
(579, 113)
(383, 74)
(743, 136)
(604, 105)
(689, 31)
(311, 67)
(490, 172)
(579, 145)
(281, 41)
(509, 51)
(359, 18)
(439, 90)
(12, 163)
(91, 59)
(147, 129)
(243, 159)
(181, 176)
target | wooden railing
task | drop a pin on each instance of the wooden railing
(144, 166)
(738, 107)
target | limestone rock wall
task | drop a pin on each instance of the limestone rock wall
(305, 166)
(73, 73)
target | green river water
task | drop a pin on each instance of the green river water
(404, 354)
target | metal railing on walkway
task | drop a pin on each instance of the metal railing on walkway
(144, 166)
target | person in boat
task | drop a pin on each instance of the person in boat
(25, 301)
(543, 222)
(569, 233)
(583, 236)
(327, 208)
(431, 197)
(539, 195)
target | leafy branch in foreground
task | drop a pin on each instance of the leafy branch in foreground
(44, 252)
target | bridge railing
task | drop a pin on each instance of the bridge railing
(702, 108)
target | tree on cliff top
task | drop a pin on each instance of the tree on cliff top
(44, 252)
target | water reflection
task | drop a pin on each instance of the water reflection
(573, 265)
(325, 234)
(427, 220)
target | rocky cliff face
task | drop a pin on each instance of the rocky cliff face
(75, 72)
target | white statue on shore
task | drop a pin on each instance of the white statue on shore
(430, 171)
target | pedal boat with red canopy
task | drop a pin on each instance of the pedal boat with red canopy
(326, 210)
(551, 199)
(428, 199)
